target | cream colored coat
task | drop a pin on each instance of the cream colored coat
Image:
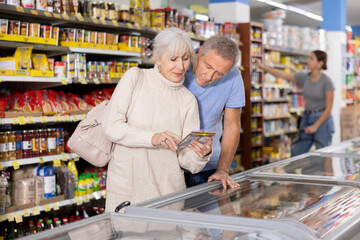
(138, 170)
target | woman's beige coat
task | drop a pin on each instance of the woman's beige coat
(138, 170)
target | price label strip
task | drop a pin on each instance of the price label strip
(43, 119)
(57, 163)
(10, 217)
(86, 198)
(75, 118)
(64, 156)
(26, 213)
(47, 208)
(78, 200)
(64, 81)
(56, 206)
(15, 164)
(116, 24)
(18, 217)
(41, 160)
(30, 120)
(2, 218)
(22, 120)
(35, 211)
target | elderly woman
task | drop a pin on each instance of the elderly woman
(147, 116)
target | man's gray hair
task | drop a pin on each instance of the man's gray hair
(177, 42)
(223, 46)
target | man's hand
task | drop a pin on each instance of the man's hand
(223, 176)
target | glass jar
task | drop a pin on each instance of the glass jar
(12, 145)
(43, 149)
(96, 10)
(51, 141)
(4, 146)
(132, 16)
(26, 144)
(112, 11)
(102, 8)
(18, 140)
(59, 140)
(124, 13)
(35, 142)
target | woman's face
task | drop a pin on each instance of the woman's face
(173, 68)
(312, 63)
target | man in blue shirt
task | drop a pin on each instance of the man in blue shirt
(218, 87)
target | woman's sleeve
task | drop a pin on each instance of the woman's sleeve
(188, 159)
(115, 124)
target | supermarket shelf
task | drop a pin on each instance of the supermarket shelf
(256, 40)
(282, 66)
(22, 120)
(41, 47)
(288, 51)
(278, 133)
(276, 85)
(104, 52)
(278, 100)
(296, 110)
(276, 117)
(27, 161)
(34, 79)
(17, 215)
(256, 115)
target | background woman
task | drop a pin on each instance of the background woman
(147, 116)
(317, 126)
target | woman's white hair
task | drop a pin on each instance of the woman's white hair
(177, 42)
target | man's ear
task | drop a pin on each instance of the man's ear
(199, 52)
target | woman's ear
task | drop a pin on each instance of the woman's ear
(156, 59)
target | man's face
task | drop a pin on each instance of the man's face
(211, 67)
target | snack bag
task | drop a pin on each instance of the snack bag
(43, 98)
(80, 103)
(23, 56)
(40, 62)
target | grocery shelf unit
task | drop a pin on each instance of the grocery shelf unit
(252, 137)
(283, 100)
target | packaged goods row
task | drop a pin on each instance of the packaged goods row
(48, 102)
(31, 143)
(29, 185)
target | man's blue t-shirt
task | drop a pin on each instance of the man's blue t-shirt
(227, 92)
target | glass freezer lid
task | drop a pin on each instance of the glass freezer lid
(325, 209)
(315, 168)
(349, 148)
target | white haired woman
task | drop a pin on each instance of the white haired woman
(149, 113)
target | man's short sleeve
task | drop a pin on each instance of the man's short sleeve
(237, 95)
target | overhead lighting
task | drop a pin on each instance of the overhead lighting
(202, 17)
(276, 4)
(293, 9)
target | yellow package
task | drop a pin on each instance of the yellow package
(23, 55)
(40, 62)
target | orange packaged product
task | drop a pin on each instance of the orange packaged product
(43, 98)
(80, 103)
(73, 106)
(55, 103)
(62, 99)
(89, 99)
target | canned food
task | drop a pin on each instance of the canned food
(14, 27)
(46, 31)
(124, 39)
(134, 41)
(93, 37)
(101, 38)
(119, 67)
(3, 26)
(34, 30)
(112, 66)
(24, 29)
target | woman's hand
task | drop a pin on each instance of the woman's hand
(202, 149)
(166, 139)
(310, 129)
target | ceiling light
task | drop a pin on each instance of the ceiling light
(276, 4)
(314, 16)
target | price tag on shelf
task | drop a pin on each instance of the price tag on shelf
(86, 198)
(10, 217)
(76, 158)
(95, 20)
(34, 12)
(19, 9)
(103, 21)
(78, 200)
(56, 206)
(64, 81)
(79, 17)
(65, 16)
(96, 195)
(57, 118)
(0, 79)
(137, 26)
(41, 160)
(104, 194)
(30, 119)
(83, 81)
(26, 213)
(35, 211)
(15, 121)
(154, 29)
(48, 14)
(1, 167)
(22, 120)
(66, 118)
(75, 118)
(47, 208)
(83, 116)
(64, 156)
(2, 218)
(43, 119)
(129, 25)
(57, 163)
(56, 15)
(96, 80)
(15, 164)
(116, 24)
(18, 217)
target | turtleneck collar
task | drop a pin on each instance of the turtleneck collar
(165, 81)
